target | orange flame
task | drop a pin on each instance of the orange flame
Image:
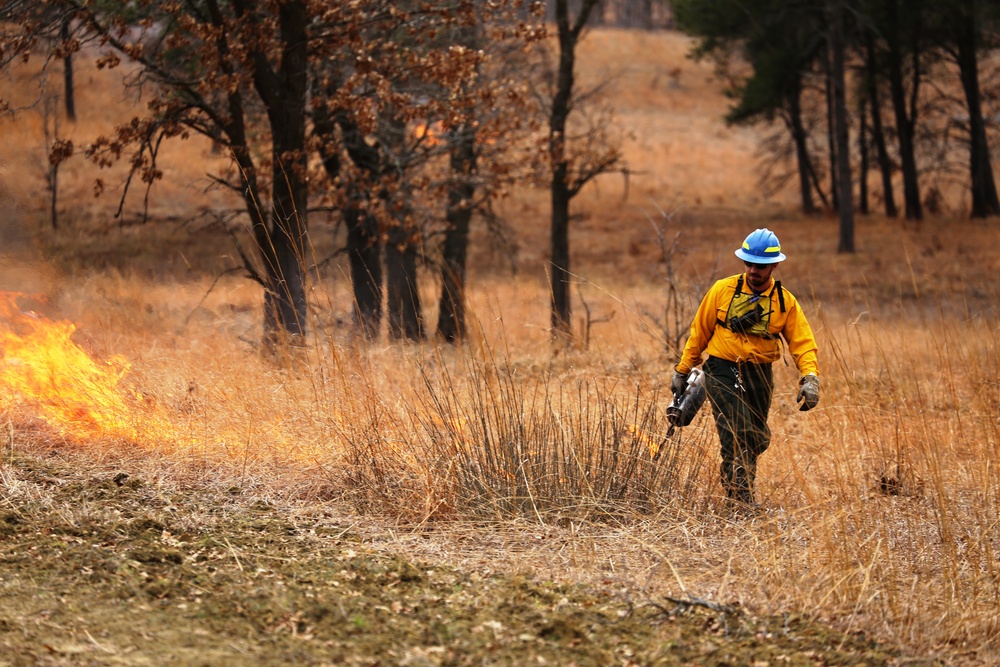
(433, 135)
(430, 135)
(642, 437)
(42, 369)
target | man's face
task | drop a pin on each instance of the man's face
(759, 275)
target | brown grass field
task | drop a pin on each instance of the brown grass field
(494, 504)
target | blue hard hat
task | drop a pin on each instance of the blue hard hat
(761, 247)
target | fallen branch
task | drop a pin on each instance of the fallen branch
(707, 604)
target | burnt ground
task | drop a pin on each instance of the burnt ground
(98, 567)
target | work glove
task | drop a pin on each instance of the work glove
(808, 392)
(678, 383)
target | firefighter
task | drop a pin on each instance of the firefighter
(741, 325)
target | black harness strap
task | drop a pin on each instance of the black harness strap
(781, 303)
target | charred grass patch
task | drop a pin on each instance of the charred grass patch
(98, 568)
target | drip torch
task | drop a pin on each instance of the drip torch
(686, 404)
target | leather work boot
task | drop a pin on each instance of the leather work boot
(739, 492)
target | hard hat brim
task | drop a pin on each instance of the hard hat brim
(754, 259)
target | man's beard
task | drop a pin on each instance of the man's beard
(757, 286)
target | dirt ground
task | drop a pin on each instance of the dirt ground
(102, 567)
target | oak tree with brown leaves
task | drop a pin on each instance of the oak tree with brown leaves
(283, 78)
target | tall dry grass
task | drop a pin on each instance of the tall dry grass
(880, 506)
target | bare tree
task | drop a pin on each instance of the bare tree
(835, 12)
(570, 167)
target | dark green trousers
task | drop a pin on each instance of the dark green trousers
(740, 394)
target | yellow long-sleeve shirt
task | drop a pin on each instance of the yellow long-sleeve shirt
(708, 336)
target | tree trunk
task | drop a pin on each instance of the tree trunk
(865, 165)
(831, 131)
(844, 181)
(281, 240)
(451, 305)
(646, 14)
(364, 249)
(905, 122)
(364, 245)
(364, 255)
(559, 241)
(69, 92)
(560, 196)
(403, 300)
(984, 192)
(285, 301)
(562, 192)
(878, 131)
(801, 150)
(234, 127)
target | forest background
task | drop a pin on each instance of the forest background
(183, 461)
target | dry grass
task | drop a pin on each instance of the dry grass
(881, 505)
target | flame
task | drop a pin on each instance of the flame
(45, 375)
(430, 135)
(652, 444)
(42, 369)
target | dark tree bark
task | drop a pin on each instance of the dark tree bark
(280, 232)
(281, 239)
(69, 91)
(878, 131)
(402, 297)
(364, 255)
(985, 202)
(559, 242)
(844, 181)
(643, 14)
(865, 164)
(560, 195)
(364, 249)
(285, 302)
(831, 130)
(905, 112)
(462, 158)
(562, 191)
(451, 310)
(364, 245)
(803, 160)
(403, 308)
